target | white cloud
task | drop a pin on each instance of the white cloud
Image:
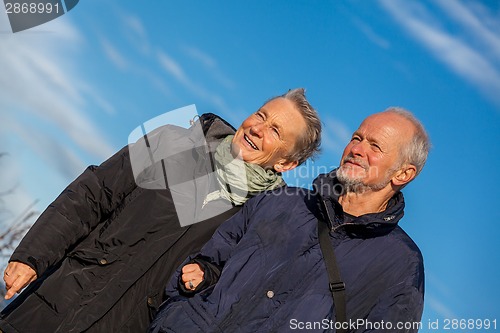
(114, 55)
(439, 297)
(371, 35)
(40, 80)
(335, 135)
(479, 65)
(172, 67)
(202, 57)
(53, 151)
(210, 65)
(439, 307)
(120, 61)
(475, 21)
(136, 33)
(42, 110)
(100, 101)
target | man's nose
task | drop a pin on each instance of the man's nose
(358, 149)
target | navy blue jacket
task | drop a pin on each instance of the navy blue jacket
(274, 278)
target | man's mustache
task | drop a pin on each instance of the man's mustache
(358, 161)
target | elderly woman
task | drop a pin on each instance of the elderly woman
(101, 254)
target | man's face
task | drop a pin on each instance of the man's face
(268, 135)
(371, 158)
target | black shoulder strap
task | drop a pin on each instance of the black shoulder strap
(337, 287)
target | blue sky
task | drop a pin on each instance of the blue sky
(73, 89)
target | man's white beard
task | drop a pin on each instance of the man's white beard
(356, 185)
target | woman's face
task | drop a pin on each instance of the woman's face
(268, 135)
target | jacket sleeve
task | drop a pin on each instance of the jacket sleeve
(227, 236)
(87, 201)
(210, 277)
(399, 309)
(217, 250)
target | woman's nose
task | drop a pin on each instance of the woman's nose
(257, 129)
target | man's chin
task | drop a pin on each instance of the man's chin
(358, 186)
(352, 171)
(352, 183)
(346, 175)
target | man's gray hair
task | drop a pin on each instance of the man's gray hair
(308, 143)
(416, 151)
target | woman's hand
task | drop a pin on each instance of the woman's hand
(192, 276)
(17, 276)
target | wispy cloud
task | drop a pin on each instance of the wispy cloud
(202, 57)
(172, 67)
(439, 307)
(210, 65)
(439, 297)
(370, 34)
(476, 21)
(117, 58)
(148, 53)
(138, 47)
(335, 136)
(43, 98)
(38, 80)
(50, 149)
(460, 52)
(136, 33)
(121, 61)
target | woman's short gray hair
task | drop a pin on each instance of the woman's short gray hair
(308, 143)
(416, 151)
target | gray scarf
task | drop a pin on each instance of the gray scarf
(239, 180)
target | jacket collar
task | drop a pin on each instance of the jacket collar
(215, 128)
(208, 131)
(328, 189)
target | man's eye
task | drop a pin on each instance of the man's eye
(355, 138)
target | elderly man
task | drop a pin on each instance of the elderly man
(264, 269)
(105, 249)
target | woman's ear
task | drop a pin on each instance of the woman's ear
(283, 166)
(406, 174)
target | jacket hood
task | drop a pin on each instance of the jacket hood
(327, 189)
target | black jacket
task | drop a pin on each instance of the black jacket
(105, 248)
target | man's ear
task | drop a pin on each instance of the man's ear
(283, 166)
(403, 176)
